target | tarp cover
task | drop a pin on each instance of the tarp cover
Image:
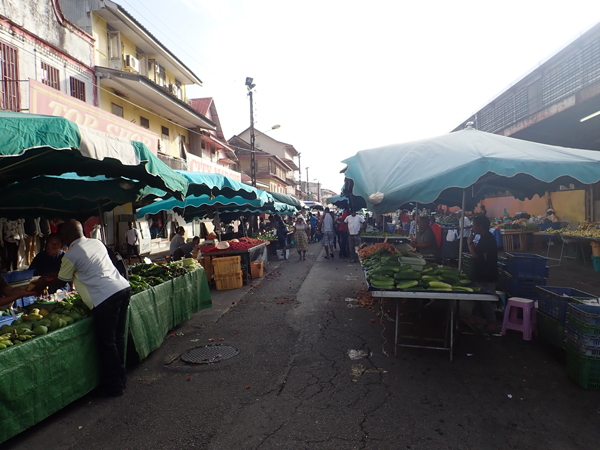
(215, 184)
(152, 313)
(32, 145)
(437, 169)
(45, 374)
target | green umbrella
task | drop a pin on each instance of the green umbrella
(287, 199)
(33, 145)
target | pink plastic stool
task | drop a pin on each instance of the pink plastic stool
(527, 324)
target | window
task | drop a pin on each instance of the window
(117, 110)
(50, 76)
(145, 123)
(77, 89)
(213, 153)
(9, 84)
(164, 142)
(165, 132)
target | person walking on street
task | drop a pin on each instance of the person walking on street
(313, 227)
(328, 235)
(282, 235)
(301, 237)
(103, 289)
(355, 224)
(343, 236)
(132, 237)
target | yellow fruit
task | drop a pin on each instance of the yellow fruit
(2, 346)
(40, 329)
(44, 312)
(35, 311)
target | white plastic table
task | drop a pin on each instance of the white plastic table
(426, 295)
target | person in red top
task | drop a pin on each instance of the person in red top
(404, 221)
(343, 236)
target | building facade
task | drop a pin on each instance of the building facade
(138, 79)
(38, 43)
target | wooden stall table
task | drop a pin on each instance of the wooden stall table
(510, 244)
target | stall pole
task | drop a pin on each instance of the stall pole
(102, 231)
(460, 230)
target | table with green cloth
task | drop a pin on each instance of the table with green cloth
(45, 374)
(154, 312)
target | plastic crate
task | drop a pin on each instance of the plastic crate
(550, 330)
(523, 287)
(15, 277)
(227, 265)
(229, 281)
(587, 315)
(553, 300)
(587, 344)
(526, 265)
(584, 370)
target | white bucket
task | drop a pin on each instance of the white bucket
(280, 254)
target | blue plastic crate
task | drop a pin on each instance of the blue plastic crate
(526, 265)
(553, 300)
(588, 315)
(523, 287)
(21, 275)
(586, 345)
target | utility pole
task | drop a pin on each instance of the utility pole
(300, 176)
(251, 86)
(308, 193)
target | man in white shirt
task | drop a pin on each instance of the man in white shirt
(466, 228)
(354, 227)
(103, 289)
(132, 237)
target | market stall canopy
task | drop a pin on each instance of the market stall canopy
(193, 202)
(214, 184)
(288, 199)
(313, 205)
(69, 196)
(228, 213)
(439, 169)
(343, 201)
(33, 145)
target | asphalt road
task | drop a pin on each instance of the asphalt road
(294, 386)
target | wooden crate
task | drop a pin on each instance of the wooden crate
(229, 281)
(206, 264)
(227, 265)
(257, 269)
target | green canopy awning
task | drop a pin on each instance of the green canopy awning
(33, 145)
(215, 184)
(287, 199)
(440, 169)
(69, 196)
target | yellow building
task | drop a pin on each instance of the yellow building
(139, 79)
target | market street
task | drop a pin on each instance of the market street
(294, 386)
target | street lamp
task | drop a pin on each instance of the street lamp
(318, 190)
(250, 86)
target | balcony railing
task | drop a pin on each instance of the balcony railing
(172, 162)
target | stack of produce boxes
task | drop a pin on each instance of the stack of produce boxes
(582, 344)
(523, 273)
(552, 311)
(228, 272)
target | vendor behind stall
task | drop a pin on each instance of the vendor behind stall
(426, 242)
(49, 260)
(177, 241)
(485, 265)
(186, 250)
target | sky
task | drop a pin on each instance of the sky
(344, 76)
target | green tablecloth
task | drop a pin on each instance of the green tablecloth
(45, 374)
(156, 311)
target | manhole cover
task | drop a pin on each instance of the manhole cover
(210, 353)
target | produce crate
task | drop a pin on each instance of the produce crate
(550, 330)
(467, 265)
(553, 300)
(229, 281)
(586, 345)
(526, 265)
(586, 317)
(523, 287)
(227, 265)
(257, 269)
(15, 277)
(584, 370)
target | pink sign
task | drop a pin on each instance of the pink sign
(197, 164)
(46, 100)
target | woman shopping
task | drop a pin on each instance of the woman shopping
(301, 237)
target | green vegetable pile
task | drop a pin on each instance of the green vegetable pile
(266, 237)
(390, 272)
(144, 276)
